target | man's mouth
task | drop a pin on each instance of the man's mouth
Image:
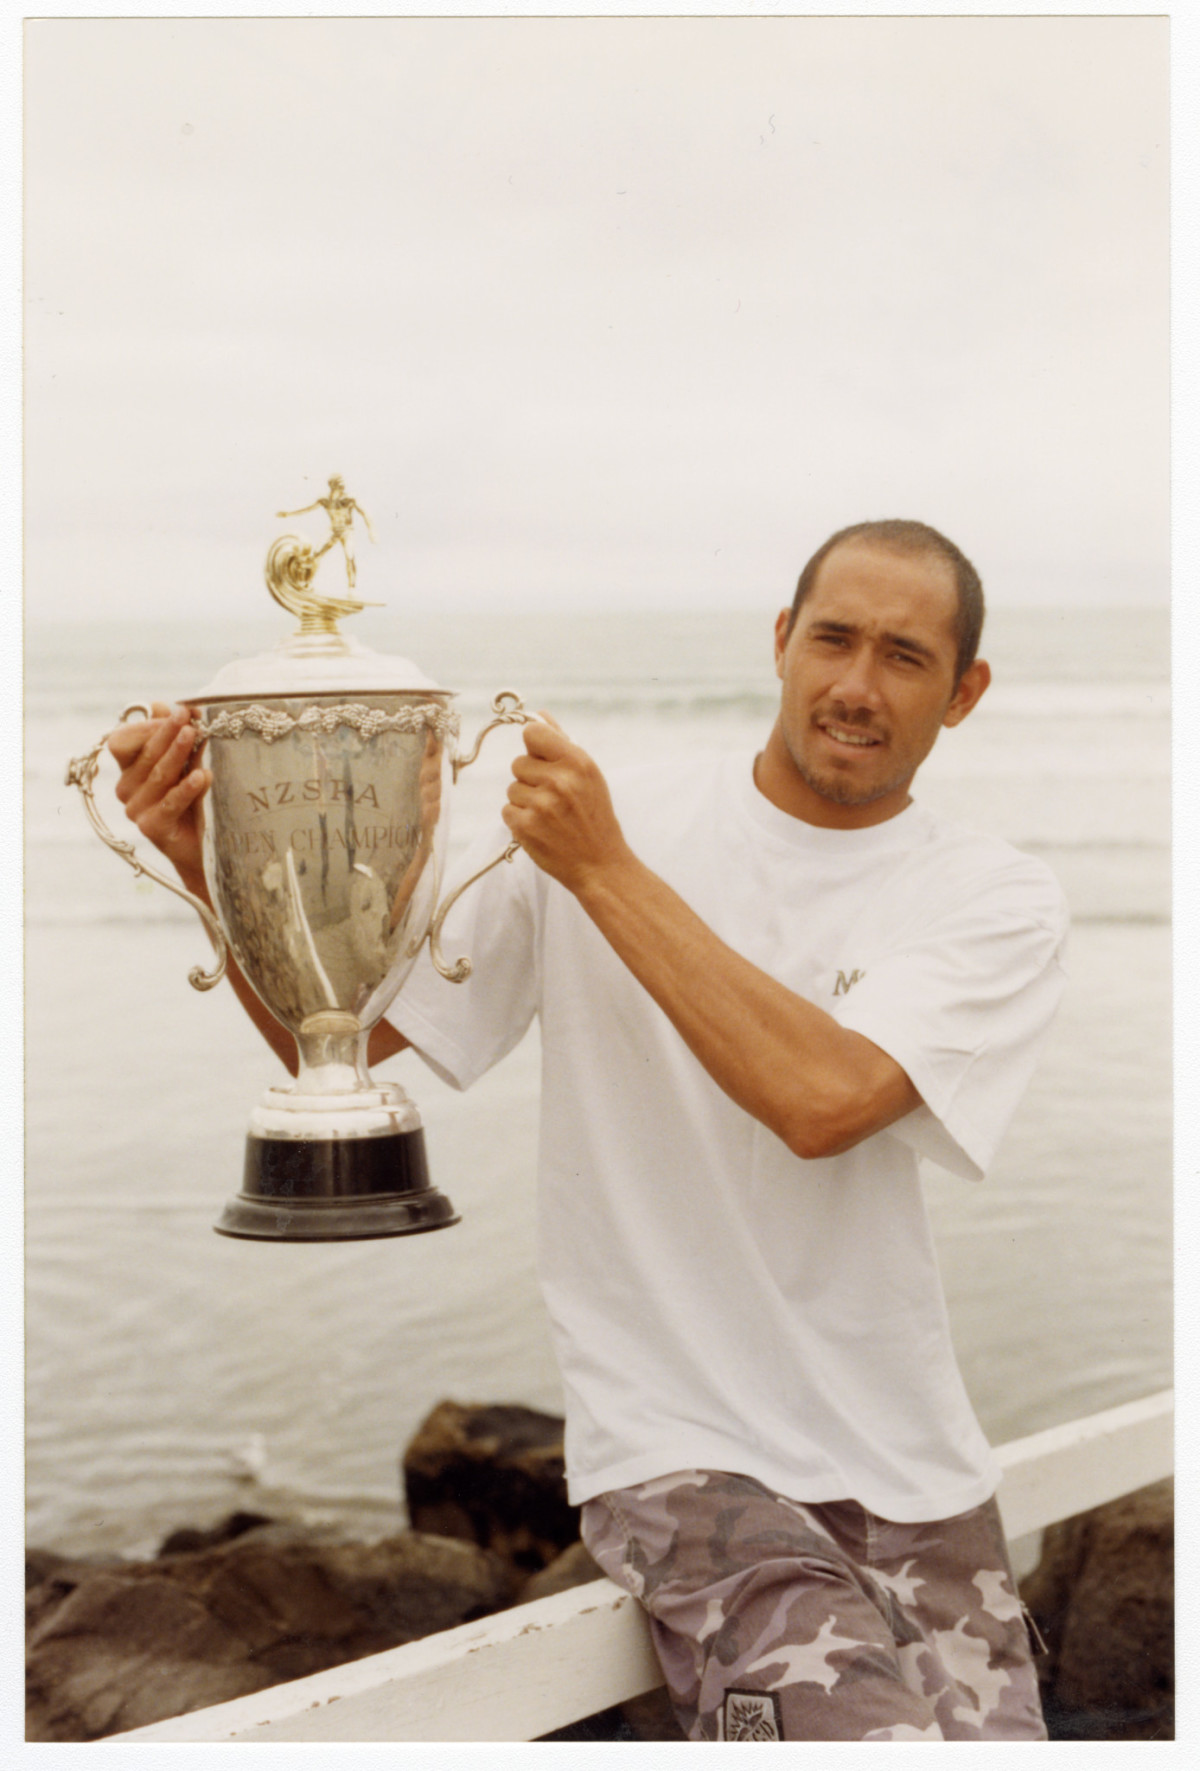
(848, 735)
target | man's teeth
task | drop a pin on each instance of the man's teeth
(843, 737)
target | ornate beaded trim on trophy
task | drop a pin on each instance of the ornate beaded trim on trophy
(368, 722)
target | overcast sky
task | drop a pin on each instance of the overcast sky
(592, 312)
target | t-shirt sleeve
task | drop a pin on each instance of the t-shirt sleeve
(962, 1005)
(461, 1030)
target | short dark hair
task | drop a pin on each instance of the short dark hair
(902, 535)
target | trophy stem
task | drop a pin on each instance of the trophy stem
(335, 1157)
(332, 1046)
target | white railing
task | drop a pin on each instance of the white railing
(536, 1667)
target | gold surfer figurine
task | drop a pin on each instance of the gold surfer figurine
(340, 509)
(292, 562)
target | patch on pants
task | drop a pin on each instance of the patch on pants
(750, 1715)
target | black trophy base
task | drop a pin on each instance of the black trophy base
(335, 1190)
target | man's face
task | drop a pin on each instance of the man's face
(868, 683)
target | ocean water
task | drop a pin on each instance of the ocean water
(173, 1374)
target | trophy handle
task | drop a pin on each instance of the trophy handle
(81, 773)
(460, 971)
(509, 710)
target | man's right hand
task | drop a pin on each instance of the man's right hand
(161, 786)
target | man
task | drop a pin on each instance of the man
(766, 987)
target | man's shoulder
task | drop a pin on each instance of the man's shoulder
(965, 861)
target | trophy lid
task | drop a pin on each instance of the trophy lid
(316, 664)
(317, 659)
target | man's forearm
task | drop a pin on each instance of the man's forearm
(274, 1032)
(815, 1084)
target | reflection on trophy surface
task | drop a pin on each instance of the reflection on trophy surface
(324, 840)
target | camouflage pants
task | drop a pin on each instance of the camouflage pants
(778, 1621)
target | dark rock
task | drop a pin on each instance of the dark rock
(188, 1537)
(1103, 1597)
(605, 1725)
(49, 1578)
(120, 1646)
(574, 1568)
(68, 1569)
(41, 1564)
(44, 1565)
(120, 1652)
(494, 1476)
(652, 1716)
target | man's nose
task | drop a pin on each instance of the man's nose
(858, 681)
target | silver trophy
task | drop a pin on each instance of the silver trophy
(324, 838)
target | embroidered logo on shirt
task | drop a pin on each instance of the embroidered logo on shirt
(842, 987)
(751, 1715)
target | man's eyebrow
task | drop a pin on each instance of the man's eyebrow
(892, 639)
(910, 645)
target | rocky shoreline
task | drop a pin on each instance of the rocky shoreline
(114, 1644)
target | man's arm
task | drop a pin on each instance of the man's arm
(815, 1084)
(161, 787)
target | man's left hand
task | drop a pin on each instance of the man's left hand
(559, 808)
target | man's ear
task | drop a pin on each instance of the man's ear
(782, 624)
(974, 680)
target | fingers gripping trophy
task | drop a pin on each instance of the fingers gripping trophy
(324, 835)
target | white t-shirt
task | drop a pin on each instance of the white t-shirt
(717, 1302)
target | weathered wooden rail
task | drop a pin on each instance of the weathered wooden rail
(537, 1667)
